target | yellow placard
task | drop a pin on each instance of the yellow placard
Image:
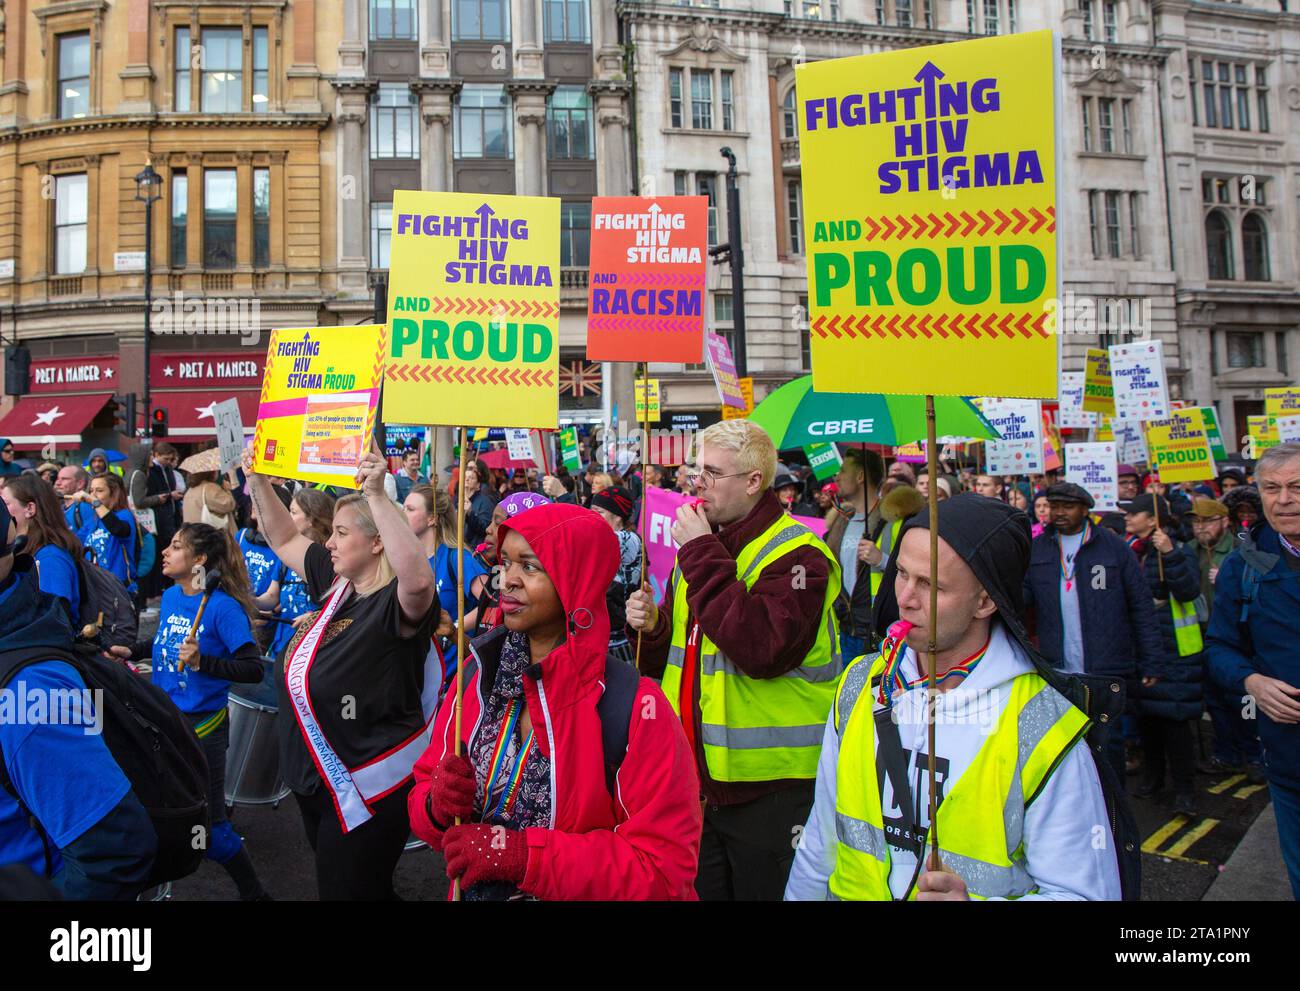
(652, 386)
(1263, 433)
(474, 310)
(746, 390)
(929, 190)
(1098, 389)
(319, 394)
(1179, 447)
(1282, 402)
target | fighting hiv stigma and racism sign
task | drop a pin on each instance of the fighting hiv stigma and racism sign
(1019, 423)
(1180, 447)
(474, 310)
(930, 218)
(319, 393)
(646, 289)
(1138, 372)
(1094, 466)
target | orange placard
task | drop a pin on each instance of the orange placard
(645, 296)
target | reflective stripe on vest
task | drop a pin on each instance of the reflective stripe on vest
(1187, 628)
(886, 548)
(761, 729)
(981, 825)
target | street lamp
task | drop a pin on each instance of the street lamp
(148, 190)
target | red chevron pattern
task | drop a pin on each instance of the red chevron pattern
(647, 322)
(664, 279)
(962, 223)
(464, 375)
(977, 325)
(499, 307)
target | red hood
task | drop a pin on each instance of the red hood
(580, 554)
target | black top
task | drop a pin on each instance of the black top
(362, 655)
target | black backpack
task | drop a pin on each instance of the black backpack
(154, 746)
(106, 608)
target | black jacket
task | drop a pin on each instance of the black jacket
(1178, 694)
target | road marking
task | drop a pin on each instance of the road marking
(1190, 837)
(1163, 833)
(1247, 791)
(1225, 784)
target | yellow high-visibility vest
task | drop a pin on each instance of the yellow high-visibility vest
(980, 820)
(886, 548)
(1187, 628)
(761, 729)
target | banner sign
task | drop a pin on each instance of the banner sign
(1138, 371)
(1130, 442)
(1282, 402)
(88, 374)
(724, 371)
(1094, 467)
(569, 450)
(1019, 423)
(1051, 445)
(647, 389)
(218, 369)
(913, 453)
(519, 443)
(474, 310)
(1098, 388)
(1180, 449)
(1071, 414)
(929, 183)
(1288, 429)
(645, 293)
(318, 404)
(747, 393)
(1211, 420)
(824, 459)
(1263, 432)
(230, 433)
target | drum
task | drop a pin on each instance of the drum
(253, 756)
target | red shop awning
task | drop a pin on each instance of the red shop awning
(190, 414)
(59, 420)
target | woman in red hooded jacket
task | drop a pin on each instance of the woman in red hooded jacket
(530, 787)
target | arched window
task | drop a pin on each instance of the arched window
(1218, 245)
(1254, 247)
(789, 123)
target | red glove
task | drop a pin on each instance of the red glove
(451, 791)
(477, 853)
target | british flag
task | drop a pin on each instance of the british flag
(580, 378)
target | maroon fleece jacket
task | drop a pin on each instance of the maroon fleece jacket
(765, 631)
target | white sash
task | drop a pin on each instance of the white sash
(352, 790)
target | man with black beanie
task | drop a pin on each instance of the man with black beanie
(1020, 803)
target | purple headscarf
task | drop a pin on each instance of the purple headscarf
(517, 502)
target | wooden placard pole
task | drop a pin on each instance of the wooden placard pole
(932, 683)
(645, 455)
(460, 610)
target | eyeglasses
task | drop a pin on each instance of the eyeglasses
(705, 477)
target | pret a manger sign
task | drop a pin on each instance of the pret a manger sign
(930, 218)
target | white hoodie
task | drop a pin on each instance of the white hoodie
(1067, 838)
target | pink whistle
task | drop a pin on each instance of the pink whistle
(695, 503)
(900, 629)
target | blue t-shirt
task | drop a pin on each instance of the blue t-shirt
(225, 628)
(263, 566)
(79, 516)
(58, 576)
(294, 601)
(62, 768)
(111, 553)
(444, 562)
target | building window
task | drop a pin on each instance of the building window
(991, 17)
(481, 20)
(805, 336)
(1093, 225)
(1133, 226)
(575, 235)
(1261, 97)
(794, 209)
(880, 10)
(261, 218)
(728, 104)
(392, 123)
(1112, 224)
(1106, 123)
(1191, 89)
(789, 120)
(1126, 123)
(392, 20)
(1218, 245)
(1086, 7)
(220, 209)
(261, 72)
(568, 123)
(1087, 123)
(565, 20)
(1245, 350)
(179, 219)
(1254, 247)
(381, 233)
(1110, 19)
(223, 70)
(707, 185)
(181, 80)
(1230, 89)
(483, 122)
(1279, 338)
(903, 13)
(702, 100)
(675, 96)
(722, 312)
(1011, 17)
(70, 211)
(74, 75)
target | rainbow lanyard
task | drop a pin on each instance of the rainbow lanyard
(1060, 550)
(893, 679)
(512, 778)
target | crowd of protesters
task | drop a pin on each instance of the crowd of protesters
(772, 647)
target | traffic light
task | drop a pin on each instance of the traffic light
(158, 428)
(124, 414)
(18, 362)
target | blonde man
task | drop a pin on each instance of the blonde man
(747, 646)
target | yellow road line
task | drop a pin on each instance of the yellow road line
(1163, 833)
(1182, 860)
(1225, 784)
(1247, 791)
(1190, 837)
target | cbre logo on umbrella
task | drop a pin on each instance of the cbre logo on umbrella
(834, 428)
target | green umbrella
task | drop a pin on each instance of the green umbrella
(795, 416)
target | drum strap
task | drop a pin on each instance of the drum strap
(351, 790)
